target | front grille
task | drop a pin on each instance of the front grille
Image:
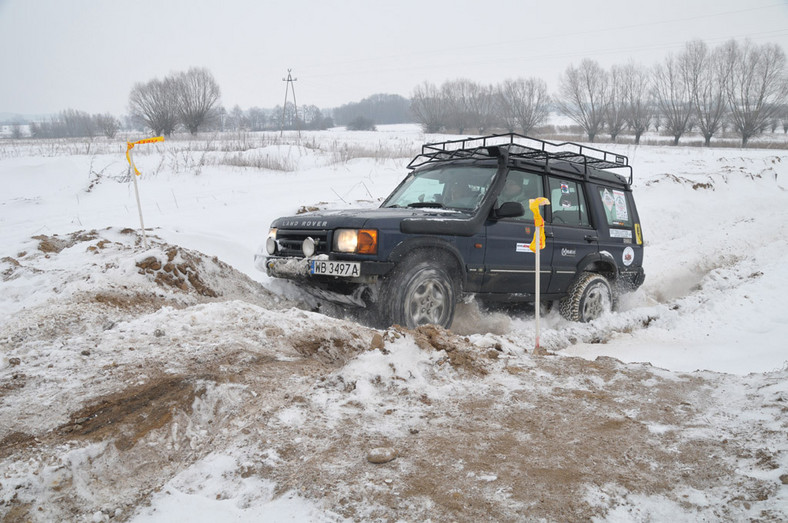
(290, 241)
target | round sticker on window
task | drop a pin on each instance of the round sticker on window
(629, 256)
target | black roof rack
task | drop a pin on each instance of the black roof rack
(520, 147)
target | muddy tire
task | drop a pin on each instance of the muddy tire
(420, 291)
(590, 296)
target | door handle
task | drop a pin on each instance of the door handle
(549, 235)
(591, 237)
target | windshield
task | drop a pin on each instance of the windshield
(450, 187)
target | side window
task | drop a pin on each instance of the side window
(614, 202)
(521, 187)
(568, 203)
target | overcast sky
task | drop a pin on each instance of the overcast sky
(87, 54)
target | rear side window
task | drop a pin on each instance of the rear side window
(568, 203)
(617, 209)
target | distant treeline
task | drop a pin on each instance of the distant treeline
(742, 87)
(381, 109)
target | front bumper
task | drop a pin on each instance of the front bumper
(276, 267)
(357, 291)
(298, 268)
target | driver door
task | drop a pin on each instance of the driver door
(509, 265)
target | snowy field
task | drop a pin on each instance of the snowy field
(177, 383)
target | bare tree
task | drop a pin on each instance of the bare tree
(314, 119)
(107, 124)
(523, 104)
(707, 74)
(615, 109)
(457, 96)
(757, 86)
(285, 118)
(468, 105)
(673, 96)
(16, 130)
(481, 106)
(257, 118)
(582, 96)
(155, 104)
(638, 110)
(784, 116)
(197, 95)
(428, 107)
(237, 118)
(77, 124)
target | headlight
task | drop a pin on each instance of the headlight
(308, 247)
(270, 243)
(363, 241)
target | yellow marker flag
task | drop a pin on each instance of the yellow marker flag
(130, 146)
(534, 204)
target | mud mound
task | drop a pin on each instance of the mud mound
(181, 270)
(460, 352)
(130, 415)
(55, 244)
(327, 347)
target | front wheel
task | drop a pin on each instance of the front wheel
(419, 292)
(588, 298)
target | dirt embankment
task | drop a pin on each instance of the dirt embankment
(108, 392)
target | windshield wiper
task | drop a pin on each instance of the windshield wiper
(431, 205)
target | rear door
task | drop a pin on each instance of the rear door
(619, 234)
(570, 231)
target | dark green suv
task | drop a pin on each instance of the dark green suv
(459, 225)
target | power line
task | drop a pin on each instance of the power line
(551, 56)
(290, 80)
(524, 41)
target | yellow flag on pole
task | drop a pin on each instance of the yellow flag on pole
(130, 146)
(539, 236)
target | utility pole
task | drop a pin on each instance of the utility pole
(289, 86)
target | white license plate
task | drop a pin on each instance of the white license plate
(335, 268)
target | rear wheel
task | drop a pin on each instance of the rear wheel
(590, 296)
(420, 290)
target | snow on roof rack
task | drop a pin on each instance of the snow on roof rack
(522, 147)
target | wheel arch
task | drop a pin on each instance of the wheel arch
(440, 246)
(601, 262)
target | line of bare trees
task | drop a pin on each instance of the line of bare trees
(464, 105)
(308, 117)
(72, 123)
(380, 109)
(187, 98)
(743, 86)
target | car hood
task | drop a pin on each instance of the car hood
(359, 218)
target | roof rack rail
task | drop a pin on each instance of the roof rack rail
(522, 147)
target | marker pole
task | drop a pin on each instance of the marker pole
(132, 173)
(537, 286)
(536, 246)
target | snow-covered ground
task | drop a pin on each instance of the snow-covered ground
(174, 382)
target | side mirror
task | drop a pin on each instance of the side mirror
(510, 210)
